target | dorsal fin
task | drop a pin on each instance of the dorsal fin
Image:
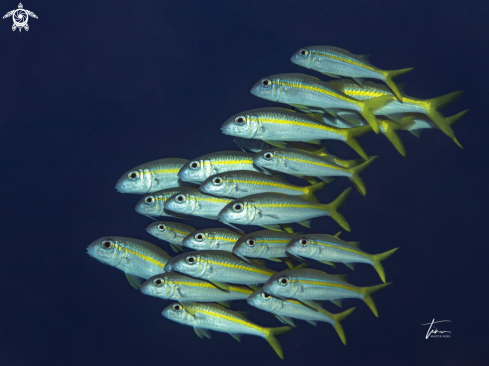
(337, 235)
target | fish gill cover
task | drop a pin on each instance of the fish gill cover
(250, 188)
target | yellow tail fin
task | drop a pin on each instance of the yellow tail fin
(337, 321)
(377, 258)
(350, 135)
(356, 179)
(333, 209)
(391, 74)
(455, 118)
(310, 190)
(370, 105)
(367, 296)
(438, 103)
(270, 337)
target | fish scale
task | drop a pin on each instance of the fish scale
(266, 244)
(212, 239)
(196, 203)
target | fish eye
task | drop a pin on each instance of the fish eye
(180, 198)
(238, 207)
(199, 236)
(133, 175)
(303, 242)
(177, 307)
(194, 165)
(161, 227)
(265, 296)
(149, 200)
(266, 83)
(251, 242)
(303, 52)
(240, 120)
(268, 156)
(284, 281)
(217, 181)
(159, 282)
(191, 259)
(107, 244)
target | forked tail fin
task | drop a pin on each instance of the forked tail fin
(270, 337)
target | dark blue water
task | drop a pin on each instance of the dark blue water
(95, 88)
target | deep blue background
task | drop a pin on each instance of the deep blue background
(98, 87)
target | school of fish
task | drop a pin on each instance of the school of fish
(215, 266)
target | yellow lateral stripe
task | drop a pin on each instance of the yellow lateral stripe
(268, 241)
(271, 184)
(363, 93)
(291, 205)
(166, 171)
(318, 163)
(320, 90)
(242, 290)
(244, 268)
(346, 249)
(143, 256)
(223, 238)
(348, 61)
(328, 284)
(231, 319)
(300, 123)
(180, 231)
(229, 162)
(215, 200)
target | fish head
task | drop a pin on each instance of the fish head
(177, 313)
(248, 246)
(217, 185)
(282, 284)
(240, 211)
(243, 125)
(151, 205)
(268, 88)
(160, 230)
(302, 247)
(193, 264)
(269, 159)
(159, 286)
(108, 250)
(195, 171)
(304, 57)
(137, 180)
(263, 301)
(184, 203)
(198, 240)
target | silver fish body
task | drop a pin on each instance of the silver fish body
(241, 183)
(212, 239)
(132, 256)
(220, 266)
(287, 308)
(276, 208)
(280, 124)
(152, 176)
(214, 317)
(201, 168)
(196, 203)
(154, 204)
(179, 287)
(264, 244)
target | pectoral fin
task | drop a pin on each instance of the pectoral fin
(222, 285)
(176, 248)
(134, 281)
(236, 336)
(312, 322)
(202, 333)
(311, 304)
(350, 265)
(329, 263)
(285, 319)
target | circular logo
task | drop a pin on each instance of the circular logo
(20, 18)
